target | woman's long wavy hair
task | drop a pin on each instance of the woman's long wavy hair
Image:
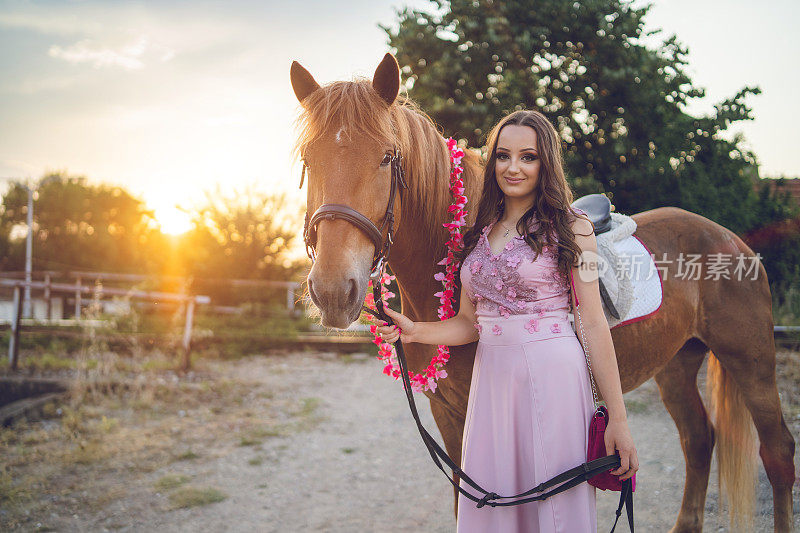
(553, 196)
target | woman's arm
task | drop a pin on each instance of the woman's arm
(454, 331)
(601, 349)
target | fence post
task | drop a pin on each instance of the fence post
(13, 342)
(290, 298)
(78, 300)
(49, 311)
(187, 335)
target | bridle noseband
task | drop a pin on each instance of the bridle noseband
(347, 213)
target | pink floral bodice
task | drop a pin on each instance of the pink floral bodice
(515, 281)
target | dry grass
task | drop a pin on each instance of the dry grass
(170, 481)
(122, 420)
(188, 455)
(195, 496)
(13, 492)
(125, 434)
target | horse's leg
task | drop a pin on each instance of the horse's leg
(749, 361)
(677, 382)
(451, 427)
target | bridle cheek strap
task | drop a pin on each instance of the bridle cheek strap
(347, 213)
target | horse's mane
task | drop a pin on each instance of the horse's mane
(356, 105)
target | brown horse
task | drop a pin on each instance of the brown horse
(350, 129)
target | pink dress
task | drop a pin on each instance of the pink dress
(530, 399)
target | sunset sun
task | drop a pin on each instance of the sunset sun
(172, 220)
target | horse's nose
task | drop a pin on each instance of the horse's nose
(352, 293)
(314, 297)
(334, 297)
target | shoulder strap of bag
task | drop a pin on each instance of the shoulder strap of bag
(626, 494)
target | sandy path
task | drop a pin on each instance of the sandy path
(364, 468)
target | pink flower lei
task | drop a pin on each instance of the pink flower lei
(386, 352)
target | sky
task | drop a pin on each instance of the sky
(174, 100)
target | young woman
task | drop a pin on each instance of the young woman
(530, 399)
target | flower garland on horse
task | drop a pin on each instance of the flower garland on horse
(427, 380)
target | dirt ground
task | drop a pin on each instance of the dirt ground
(290, 442)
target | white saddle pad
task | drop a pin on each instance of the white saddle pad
(647, 289)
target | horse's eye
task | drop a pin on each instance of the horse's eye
(387, 158)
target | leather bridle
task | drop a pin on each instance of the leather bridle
(347, 213)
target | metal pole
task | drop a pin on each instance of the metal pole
(187, 335)
(28, 254)
(13, 342)
(78, 300)
(290, 298)
(47, 299)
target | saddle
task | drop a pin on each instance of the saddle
(598, 208)
(616, 285)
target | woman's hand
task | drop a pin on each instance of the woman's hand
(618, 437)
(403, 328)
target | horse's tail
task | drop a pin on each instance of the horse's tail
(735, 440)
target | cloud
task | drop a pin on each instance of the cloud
(129, 56)
(86, 51)
(106, 22)
(128, 36)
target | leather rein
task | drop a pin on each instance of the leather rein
(569, 478)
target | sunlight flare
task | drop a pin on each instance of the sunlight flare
(172, 220)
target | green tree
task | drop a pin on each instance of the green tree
(618, 105)
(247, 235)
(777, 239)
(78, 226)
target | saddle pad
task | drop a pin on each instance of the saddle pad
(647, 289)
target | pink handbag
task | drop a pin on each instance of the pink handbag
(597, 449)
(597, 427)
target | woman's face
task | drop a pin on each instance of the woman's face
(517, 161)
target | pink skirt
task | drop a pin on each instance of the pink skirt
(530, 403)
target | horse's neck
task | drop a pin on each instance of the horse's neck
(414, 268)
(420, 245)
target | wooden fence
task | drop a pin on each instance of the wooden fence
(18, 285)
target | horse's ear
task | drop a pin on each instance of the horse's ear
(387, 79)
(303, 82)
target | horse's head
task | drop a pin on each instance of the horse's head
(348, 147)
